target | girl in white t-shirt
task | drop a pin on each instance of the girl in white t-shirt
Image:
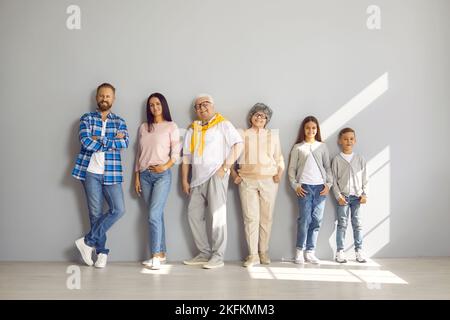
(310, 176)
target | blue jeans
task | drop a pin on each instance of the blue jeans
(155, 191)
(310, 216)
(352, 207)
(101, 222)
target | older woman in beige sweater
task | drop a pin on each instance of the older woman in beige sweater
(258, 174)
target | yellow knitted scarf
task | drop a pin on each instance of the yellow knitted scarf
(198, 127)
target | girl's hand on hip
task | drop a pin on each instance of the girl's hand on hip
(363, 199)
(300, 191)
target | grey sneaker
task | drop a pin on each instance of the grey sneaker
(214, 262)
(197, 260)
(85, 250)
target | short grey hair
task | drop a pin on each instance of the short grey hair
(202, 95)
(260, 107)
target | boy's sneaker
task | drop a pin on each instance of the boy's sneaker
(101, 260)
(299, 258)
(85, 250)
(340, 257)
(311, 257)
(264, 258)
(214, 262)
(251, 260)
(360, 257)
(156, 263)
(197, 260)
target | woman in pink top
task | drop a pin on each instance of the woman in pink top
(158, 150)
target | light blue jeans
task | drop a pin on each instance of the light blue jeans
(96, 193)
(155, 191)
(310, 216)
(352, 208)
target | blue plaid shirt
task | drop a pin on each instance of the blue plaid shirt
(91, 125)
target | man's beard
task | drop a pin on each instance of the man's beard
(104, 106)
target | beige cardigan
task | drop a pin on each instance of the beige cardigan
(262, 154)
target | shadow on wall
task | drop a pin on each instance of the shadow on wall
(142, 221)
(376, 227)
(235, 206)
(73, 148)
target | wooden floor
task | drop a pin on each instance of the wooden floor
(418, 278)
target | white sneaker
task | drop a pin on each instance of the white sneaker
(156, 264)
(299, 259)
(360, 257)
(85, 250)
(101, 260)
(340, 257)
(311, 257)
(149, 262)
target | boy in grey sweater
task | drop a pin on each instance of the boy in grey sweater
(350, 189)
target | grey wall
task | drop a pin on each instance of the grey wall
(300, 57)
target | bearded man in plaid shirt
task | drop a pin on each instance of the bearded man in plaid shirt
(102, 135)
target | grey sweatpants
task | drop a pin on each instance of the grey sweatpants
(209, 197)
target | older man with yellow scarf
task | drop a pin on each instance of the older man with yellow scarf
(211, 146)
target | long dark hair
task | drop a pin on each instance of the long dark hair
(165, 110)
(301, 131)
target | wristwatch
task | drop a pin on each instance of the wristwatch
(225, 169)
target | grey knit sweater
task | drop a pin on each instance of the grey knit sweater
(298, 159)
(343, 171)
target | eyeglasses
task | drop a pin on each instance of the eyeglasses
(204, 104)
(260, 115)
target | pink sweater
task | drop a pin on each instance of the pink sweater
(158, 146)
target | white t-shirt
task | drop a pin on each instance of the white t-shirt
(97, 162)
(311, 173)
(351, 181)
(218, 142)
(347, 157)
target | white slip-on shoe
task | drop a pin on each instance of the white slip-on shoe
(311, 257)
(101, 260)
(299, 258)
(360, 257)
(149, 262)
(340, 257)
(156, 263)
(85, 250)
